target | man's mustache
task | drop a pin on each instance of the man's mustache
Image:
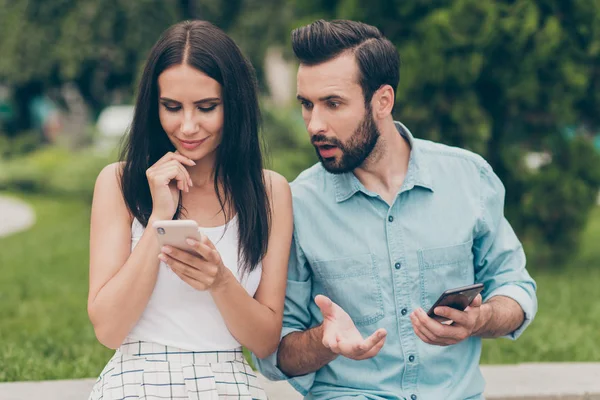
(324, 140)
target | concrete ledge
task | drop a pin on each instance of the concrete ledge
(543, 381)
(549, 381)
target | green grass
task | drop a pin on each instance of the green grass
(45, 332)
(44, 329)
(567, 326)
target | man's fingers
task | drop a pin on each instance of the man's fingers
(329, 337)
(422, 336)
(335, 346)
(373, 340)
(374, 351)
(436, 328)
(325, 305)
(460, 317)
(422, 332)
(477, 301)
(433, 332)
(356, 349)
(362, 351)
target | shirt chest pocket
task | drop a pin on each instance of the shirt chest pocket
(353, 284)
(443, 268)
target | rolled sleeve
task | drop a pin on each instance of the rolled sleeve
(525, 300)
(296, 318)
(499, 257)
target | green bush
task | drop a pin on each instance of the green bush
(54, 170)
(288, 149)
(19, 145)
(556, 202)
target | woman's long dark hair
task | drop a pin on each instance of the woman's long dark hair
(238, 165)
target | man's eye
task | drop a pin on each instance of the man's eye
(334, 104)
(306, 104)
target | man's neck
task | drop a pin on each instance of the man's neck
(385, 169)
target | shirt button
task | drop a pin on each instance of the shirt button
(390, 218)
(411, 358)
(404, 311)
(413, 396)
(397, 265)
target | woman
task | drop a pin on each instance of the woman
(178, 320)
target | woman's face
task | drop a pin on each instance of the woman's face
(190, 110)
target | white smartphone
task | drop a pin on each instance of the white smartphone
(175, 232)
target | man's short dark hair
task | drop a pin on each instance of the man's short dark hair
(377, 58)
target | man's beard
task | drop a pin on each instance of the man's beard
(356, 149)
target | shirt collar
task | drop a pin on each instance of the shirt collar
(347, 184)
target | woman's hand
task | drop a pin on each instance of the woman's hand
(203, 270)
(166, 178)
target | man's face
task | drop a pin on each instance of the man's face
(341, 128)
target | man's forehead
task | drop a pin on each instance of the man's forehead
(339, 75)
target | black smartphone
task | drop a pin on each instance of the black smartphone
(458, 298)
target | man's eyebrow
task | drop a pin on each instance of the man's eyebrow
(331, 97)
(207, 100)
(324, 98)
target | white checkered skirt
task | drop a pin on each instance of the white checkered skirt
(145, 370)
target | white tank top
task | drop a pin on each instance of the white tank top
(181, 316)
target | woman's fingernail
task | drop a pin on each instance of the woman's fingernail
(162, 257)
(166, 249)
(191, 242)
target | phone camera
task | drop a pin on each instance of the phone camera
(160, 231)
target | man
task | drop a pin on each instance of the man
(383, 225)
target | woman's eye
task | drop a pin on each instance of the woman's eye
(171, 108)
(207, 109)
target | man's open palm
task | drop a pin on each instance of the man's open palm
(341, 336)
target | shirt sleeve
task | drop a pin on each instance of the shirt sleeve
(499, 256)
(296, 317)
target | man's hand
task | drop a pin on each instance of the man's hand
(341, 336)
(466, 324)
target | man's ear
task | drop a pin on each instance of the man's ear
(383, 102)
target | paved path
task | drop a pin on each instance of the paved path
(15, 216)
(536, 381)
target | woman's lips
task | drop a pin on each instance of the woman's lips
(191, 144)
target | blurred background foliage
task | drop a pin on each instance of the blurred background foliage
(502, 78)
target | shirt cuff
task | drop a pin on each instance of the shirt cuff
(526, 300)
(268, 367)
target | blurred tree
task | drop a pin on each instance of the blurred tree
(101, 44)
(501, 78)
(98, 44)
(255, 25)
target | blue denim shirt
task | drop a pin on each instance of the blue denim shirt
(445, 228)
